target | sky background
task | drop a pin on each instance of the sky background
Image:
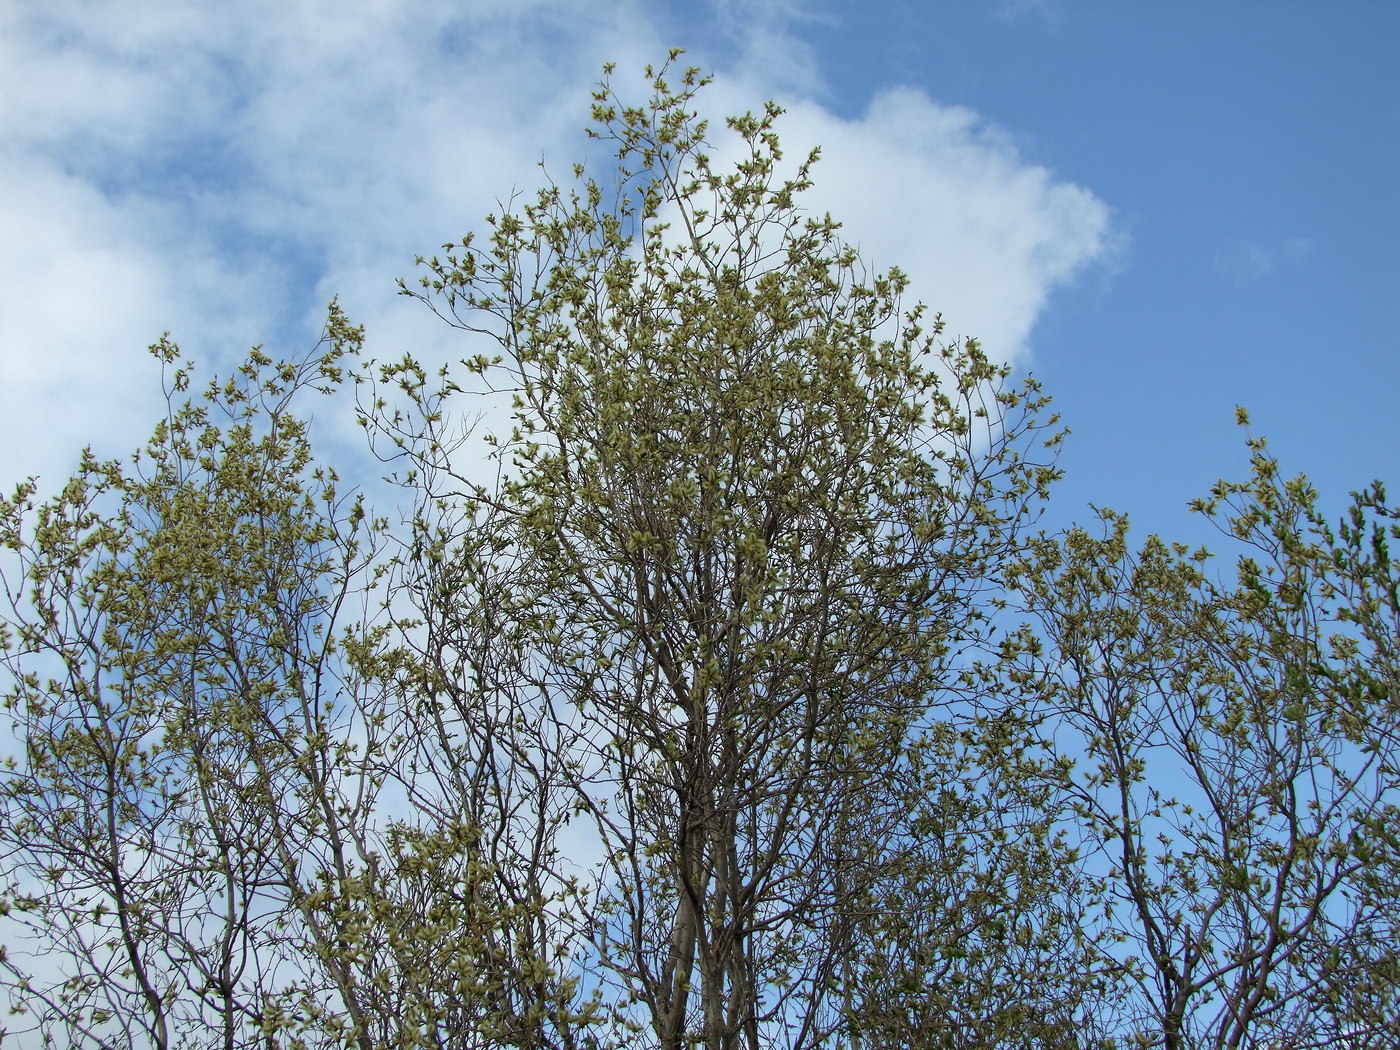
(1161, 209)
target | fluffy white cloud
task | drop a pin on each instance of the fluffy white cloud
(984, 236)
(222, 170)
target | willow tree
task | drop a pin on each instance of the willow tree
(203, 838)
(1238, 776)
(677, 733)
(724, 601)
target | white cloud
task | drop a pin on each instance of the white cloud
(222, 170)
(984, 236)
(1296, 249)
(1013, 10)
(1243, 261)
(766, 46)
(85, 288)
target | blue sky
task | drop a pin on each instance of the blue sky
(1162, 209)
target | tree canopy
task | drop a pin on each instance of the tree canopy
(741, 703)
